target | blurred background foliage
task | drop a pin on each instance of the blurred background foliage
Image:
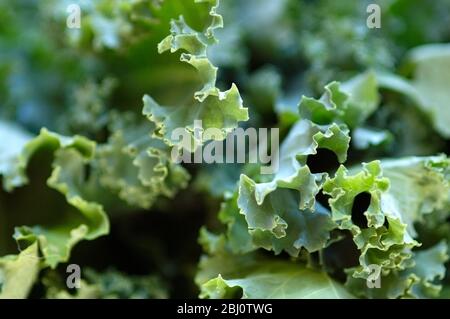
(90, 82)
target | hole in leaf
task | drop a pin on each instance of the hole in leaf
(386, 223)
(324, 161)
(87, 172)
(102, 135)
(447, 219)
(360, 205)
(341, 255)
(322, 199)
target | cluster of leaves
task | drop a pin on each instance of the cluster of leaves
(86, 117)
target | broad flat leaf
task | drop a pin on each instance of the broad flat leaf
(431, 78)
(428, 88)
(363, 98)
(18, 273)
(274, 280)
(419, 186)
(364, 138)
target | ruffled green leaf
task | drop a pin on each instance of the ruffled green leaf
(14, 175)
(136, 166)
(216, 109)
(385, 241)
(278, 224)
(304, 139)
(430, 268)
(280, 213)
(350, 102)
(332, 105)
(237, 235)
(419, 281)
(402, 192)
(83, 219)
